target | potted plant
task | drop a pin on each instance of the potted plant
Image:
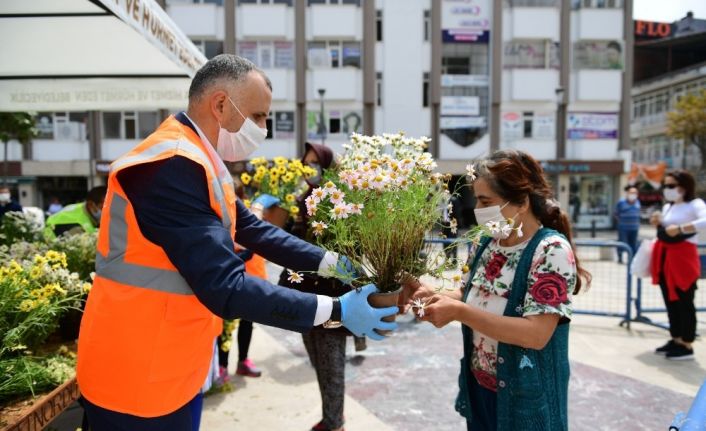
(378, 207)
(281, 178)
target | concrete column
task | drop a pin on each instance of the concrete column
(496, 73)
(94, 144)
(626, 101)
(300, 74)
(369, 39)
(435, 78)
(229, 16)
(564, 46)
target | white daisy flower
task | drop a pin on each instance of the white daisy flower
(294, 277)
(419, 304)
(470, 171)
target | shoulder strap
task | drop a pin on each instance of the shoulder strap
(519, 283)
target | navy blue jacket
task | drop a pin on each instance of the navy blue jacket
(171, 203)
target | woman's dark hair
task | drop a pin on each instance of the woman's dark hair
(686, 181)
(517, 177)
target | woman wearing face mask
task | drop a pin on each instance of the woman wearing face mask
(326, 347)
(516, 303)
(675, 260)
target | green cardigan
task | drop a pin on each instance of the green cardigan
(532, 384)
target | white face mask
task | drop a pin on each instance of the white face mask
(672, 195)
(236, 146)
(4, 197)
(494, 214)
(632, 197)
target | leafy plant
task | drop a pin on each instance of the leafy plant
(378, 207)
(281, 178)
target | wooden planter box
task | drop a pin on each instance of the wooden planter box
(38, 415)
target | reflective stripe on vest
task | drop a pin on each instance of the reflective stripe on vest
(162, 147)
(114, 267)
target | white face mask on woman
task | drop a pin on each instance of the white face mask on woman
(493, 214)
(672, 195)
(236, 146)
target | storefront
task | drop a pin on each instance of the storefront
(587, 190)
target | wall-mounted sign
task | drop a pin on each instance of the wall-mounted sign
(465, 20)
(464, 80)
(544, 125)
(462, 122)
(584, 125)
(511, 126)
(652, 30)
(598, 54)
(460, 105)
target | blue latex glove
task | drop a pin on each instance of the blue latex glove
(345, 271)
(266, 201)
(360, 318)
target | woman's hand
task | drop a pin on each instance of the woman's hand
(413, 289)
(656, 218)
(672, 230)
(440, 310)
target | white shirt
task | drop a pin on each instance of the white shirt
(693, 212)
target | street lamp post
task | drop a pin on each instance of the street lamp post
(560, 123)
(322, 126)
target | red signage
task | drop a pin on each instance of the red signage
(652, 30)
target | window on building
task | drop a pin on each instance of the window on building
(334, 54)
(129, 124)
(378, 89)
(464, 59)
(111, 125)
(527, 120)
(268, 54)
(216, 2)
(427, 24)
(269, 125)
(425, 89)
(597, 4)
(378, 25)
(209, 48)
(45, 125)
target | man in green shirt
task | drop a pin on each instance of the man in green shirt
(79, 217)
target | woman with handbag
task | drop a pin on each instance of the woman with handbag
(675, 263)
(516, 304)
(326, 347)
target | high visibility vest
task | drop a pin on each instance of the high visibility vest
(146, 342)
(256, 266)
(70, 214)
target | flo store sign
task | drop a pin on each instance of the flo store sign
(586, 125)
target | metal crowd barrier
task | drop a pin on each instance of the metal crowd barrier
(610, 293)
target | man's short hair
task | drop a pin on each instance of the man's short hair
(97, 194)
(222, 67)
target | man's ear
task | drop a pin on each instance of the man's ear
(217, 104)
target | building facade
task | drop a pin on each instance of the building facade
(475, 75)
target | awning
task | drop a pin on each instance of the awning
(77, 55)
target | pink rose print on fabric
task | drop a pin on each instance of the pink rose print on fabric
(486, 380)
(550, 289)
(494, 266)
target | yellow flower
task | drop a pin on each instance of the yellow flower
(294, 210)
(257, 161)
(246, 202)
(86, 287)
(26, 305)
(281, 170)
(465, 269)
(279, 161)
(245, 178)
(273, 183)
(290, 198)
(258, 177)
(288, 177)
(262, 170)
(226, 346)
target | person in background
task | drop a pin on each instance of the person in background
(627, 217)
(78, 217)
(6, 203)
(675, 260)
(516, 306)
(326, 347)
(54, 206)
